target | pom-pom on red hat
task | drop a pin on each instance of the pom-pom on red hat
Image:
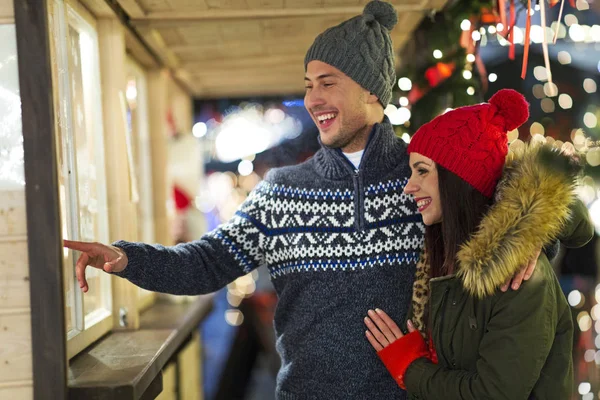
(471, 141)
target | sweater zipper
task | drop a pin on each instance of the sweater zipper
(359, 196)
(358, 201)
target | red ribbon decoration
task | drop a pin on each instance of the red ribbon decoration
(511, 50)
(526, 43)
(502, 10)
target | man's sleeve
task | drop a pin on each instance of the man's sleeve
(579, 230)
(208, 264)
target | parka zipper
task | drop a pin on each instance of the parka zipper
(441, 312)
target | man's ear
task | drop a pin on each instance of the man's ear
(372, 98)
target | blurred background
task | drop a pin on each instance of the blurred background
(188, 103)
(460, 55)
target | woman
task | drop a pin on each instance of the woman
(485, 343)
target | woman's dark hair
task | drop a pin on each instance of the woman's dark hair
(463, 207)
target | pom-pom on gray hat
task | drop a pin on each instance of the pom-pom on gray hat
(361, 48)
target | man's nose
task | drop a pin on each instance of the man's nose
(313, 98)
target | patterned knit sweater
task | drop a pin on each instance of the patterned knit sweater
(337, 242)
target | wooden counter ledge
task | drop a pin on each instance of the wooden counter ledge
(126, 365)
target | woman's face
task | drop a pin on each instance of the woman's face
(423, 186)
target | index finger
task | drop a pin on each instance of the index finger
(75, 245)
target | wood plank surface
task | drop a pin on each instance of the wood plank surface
(48, 337)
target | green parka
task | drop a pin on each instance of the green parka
(518, 344)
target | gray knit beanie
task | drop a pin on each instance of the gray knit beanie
(361, 48)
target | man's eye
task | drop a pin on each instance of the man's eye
(328, 84)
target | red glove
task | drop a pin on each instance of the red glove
(402, 352)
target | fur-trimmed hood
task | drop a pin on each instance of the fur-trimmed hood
(531, 206)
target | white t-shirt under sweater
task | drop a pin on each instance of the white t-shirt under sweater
(355, 158)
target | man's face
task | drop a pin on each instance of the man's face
(338, 106)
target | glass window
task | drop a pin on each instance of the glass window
(81, 168)
(11, 139)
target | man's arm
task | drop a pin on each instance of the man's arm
(201, 266)
(580, 229)
(577, 232)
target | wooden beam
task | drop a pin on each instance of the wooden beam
(241, 63)
(7, 12)
(250, 72)
(99, 8)
(170, 17)
(139, 51)
(45, 250)
(158, 93)
(155, 41)
(123, 215)
(125, 21)
(132, 8)
(246, 91)
(231, 46)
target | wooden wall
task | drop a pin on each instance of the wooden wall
(15, 325)
(16, 380)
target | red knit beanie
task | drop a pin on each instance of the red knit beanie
(471, 141)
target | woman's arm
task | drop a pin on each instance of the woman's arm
(512, 353)
(517, 341)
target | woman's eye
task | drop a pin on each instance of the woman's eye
(422, 171)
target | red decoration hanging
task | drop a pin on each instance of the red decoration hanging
(502, 12)
(182, 200)
(526, 45)
(511, 31)
(439, 73)
(435, 75)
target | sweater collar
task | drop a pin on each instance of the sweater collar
(384, 151)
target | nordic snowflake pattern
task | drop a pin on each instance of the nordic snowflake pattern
(292, 229)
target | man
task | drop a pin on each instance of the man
(337, 232)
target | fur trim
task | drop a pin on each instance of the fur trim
(531, 207)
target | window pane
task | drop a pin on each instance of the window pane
(85, 158)
(11, 138)
(80, 156)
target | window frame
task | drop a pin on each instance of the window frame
(66, 14)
